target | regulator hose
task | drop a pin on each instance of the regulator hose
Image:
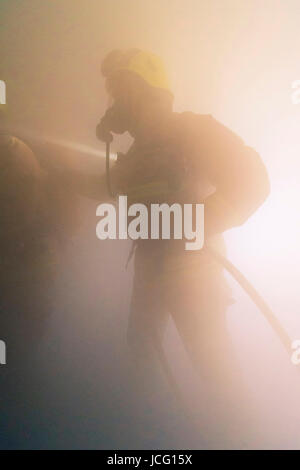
(107, 164)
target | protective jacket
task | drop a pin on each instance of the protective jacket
(194, 159)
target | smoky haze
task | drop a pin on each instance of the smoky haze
(233, 59)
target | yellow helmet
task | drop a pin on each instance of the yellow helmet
(146, 65)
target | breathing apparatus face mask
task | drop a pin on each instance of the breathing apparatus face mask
(117, 117)
(128, 94)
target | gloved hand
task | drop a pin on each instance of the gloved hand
(103, 133)
(116, 119)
